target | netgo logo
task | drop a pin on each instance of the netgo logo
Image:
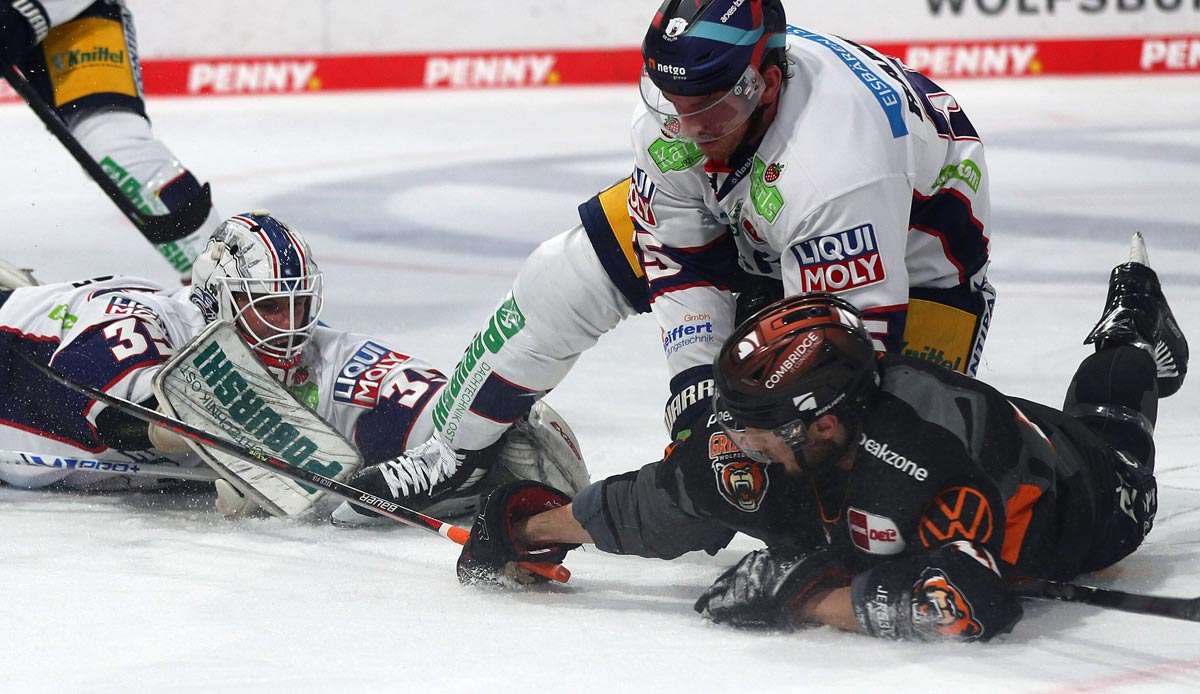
(359, 381)
(840, 262)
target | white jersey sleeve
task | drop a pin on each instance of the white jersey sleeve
(110, 333)
(377, 397)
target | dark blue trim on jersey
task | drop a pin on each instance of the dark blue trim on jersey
(382, 432)
(714, 265)
(947, 215)
(502, 401)
(889, 99)
(612, 258)
(32, 403)
(955, 124)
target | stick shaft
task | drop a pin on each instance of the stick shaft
(1162, 606)
(59, 130)
(132, 468)
(355, 496)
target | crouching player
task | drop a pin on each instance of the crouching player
(116, 333)
(895, 498)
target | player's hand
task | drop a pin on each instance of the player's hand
(766, 591)
(492, 552)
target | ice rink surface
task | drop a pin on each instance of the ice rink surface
(420, 208)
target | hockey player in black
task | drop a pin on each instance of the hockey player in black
(895, 497)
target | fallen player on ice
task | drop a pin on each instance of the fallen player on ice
(239, 353)
(895, 497)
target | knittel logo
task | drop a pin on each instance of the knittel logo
(99, 55)
(773, 172)
(742, 483)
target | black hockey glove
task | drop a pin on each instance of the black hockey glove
(953, 593)
(492, 550)
(764, 591)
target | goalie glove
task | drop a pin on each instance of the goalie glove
(766, 591)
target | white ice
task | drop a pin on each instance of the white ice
(421, 207)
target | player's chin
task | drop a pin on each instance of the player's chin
(720, 148)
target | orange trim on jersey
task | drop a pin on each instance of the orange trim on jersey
(1019, 510)
(957, 513)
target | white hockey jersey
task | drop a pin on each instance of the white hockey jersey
(870, 181)
(114, 333)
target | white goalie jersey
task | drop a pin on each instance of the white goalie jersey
(115, 333)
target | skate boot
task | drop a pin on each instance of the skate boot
(432, 479)
(1136, 313)
(13, 277)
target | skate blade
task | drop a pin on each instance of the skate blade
(1137, 250)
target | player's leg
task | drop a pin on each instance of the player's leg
(87, 69)
(567, 294)
(573, 288)
(1115, 393)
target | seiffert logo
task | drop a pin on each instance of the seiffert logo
(874, 534)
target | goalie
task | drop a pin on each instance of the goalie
(360, 400)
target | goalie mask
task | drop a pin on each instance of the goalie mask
(259, 274)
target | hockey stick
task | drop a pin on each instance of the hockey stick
(1175, 608)
(157, 229)
(389, 509)
(132, 468)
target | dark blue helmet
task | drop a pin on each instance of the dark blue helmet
(696, 47)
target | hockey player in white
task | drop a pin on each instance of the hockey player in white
(81, 57)
(115, 333)
(769, 160)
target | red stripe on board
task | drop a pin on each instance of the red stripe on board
(972, 58)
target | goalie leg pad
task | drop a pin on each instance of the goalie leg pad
(541, 448)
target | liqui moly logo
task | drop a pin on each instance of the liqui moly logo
(360, 379)
(840, 262)
(874, 534)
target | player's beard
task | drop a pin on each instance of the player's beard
(821, 455)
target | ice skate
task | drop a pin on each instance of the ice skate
(431, 479)
(1136, 313)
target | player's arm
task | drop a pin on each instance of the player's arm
(949, 589)
(855, 246)
(119, 353)
(691, 272)
(646, 512)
